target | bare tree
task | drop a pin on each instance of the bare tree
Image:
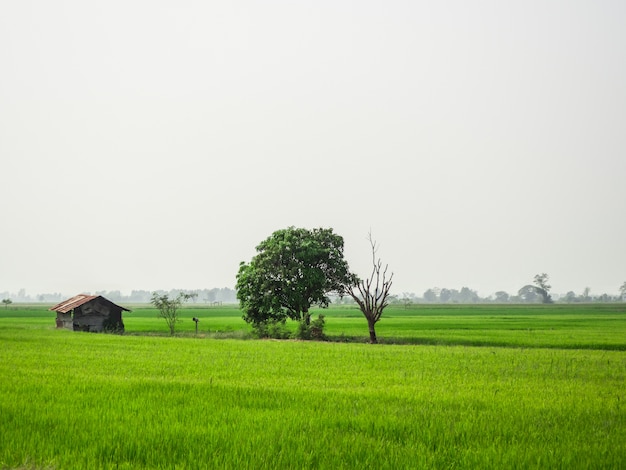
(371, 294)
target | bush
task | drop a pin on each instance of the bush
(270, 329)
(317, 328)
(313, 331)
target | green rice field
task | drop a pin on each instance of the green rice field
(450, 386)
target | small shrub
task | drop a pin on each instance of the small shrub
(315, 330)
(270, 329)
(303, 331)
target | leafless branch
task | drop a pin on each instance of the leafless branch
(373, 292)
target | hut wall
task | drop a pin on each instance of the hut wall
(64, 320)
(96, 317)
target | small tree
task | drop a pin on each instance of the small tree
(432, 295)
(407, 300)
(570, 297)
(622, 291)
(371, 294)
(543, 288)
(529, 293)
(502, 296)
(7, 302)
(168, 308)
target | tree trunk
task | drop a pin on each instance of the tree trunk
(307, 317)
(372, 327)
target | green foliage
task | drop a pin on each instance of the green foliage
(275, 329)
(313, 330)
(168, 308)
(293, 269)
(317, 328)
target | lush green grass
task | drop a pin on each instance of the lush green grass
(549, 399)
(552, 326)
(590, 326)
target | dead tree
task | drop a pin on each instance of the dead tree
(371, 294)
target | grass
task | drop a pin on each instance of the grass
(581, 326)
(550, 399)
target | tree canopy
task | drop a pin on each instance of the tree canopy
(294, 269)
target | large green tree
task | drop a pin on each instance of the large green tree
(294, 269)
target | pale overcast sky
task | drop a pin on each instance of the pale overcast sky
(153, 144)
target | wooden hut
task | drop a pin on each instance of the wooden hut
(89, 313)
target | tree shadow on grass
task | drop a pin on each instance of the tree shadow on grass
(421, 341)
(389, 340)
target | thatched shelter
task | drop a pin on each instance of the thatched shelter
(89, 313)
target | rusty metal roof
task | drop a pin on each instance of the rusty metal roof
(77, 301)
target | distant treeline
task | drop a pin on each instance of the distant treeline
(466, 295)
(227, 295)
(223, 295)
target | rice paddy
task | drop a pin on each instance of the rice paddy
(450, 387)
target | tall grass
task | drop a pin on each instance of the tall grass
(586, 326)
(77, 400)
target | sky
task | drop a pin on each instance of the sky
(154, 144)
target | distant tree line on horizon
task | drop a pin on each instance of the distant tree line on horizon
(226, 295)
(469, 296)
(223, 295)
